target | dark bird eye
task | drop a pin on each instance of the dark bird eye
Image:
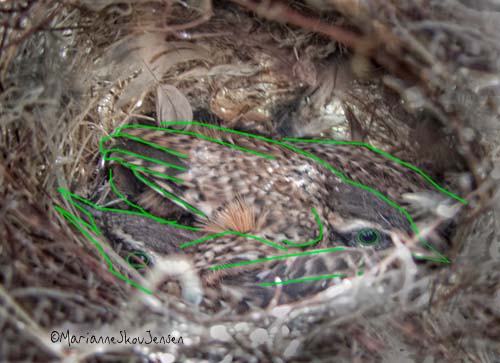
(368, 237)
(138, 259)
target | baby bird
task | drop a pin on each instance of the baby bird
(265, 212)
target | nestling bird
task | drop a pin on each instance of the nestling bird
(256, 201)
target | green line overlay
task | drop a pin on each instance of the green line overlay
(88, 227)
(314, 278)
(272, 258)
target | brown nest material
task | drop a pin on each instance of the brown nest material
(418, 78)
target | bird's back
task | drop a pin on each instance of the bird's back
(254, 198)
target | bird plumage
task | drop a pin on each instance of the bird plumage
(293, 196)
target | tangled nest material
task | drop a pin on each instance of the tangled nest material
(418, 77)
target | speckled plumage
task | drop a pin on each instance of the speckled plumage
(271, 198)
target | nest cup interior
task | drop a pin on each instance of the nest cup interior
(222, 63)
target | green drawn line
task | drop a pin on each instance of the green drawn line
(75, 222)
(157, 173)
(316, 240)
(322, 162)
(237, 147)
(121, 196)
(69, 196)
(134, 168)
(265, 241)
(361, 270)
(380, 195)
(71, 218)
(358, 237)
(92, 227)
(196, 241)
(78, 222)
(278, 257)
(136, 265)
(167, 194)
(212, 236)
(374, 149)
(201, 136)
(317, 159)
(146, 170)
(139, 156)
(304, 279)
(142, 141)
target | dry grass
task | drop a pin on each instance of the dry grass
(71, 71)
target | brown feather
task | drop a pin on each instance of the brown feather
(238, 215)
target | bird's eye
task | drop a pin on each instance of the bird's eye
(368, 237)
(138, 259)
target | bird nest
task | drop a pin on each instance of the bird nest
(417, 79)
